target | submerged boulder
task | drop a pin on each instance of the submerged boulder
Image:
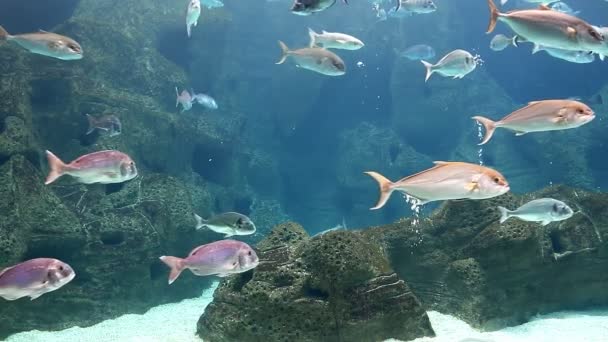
(335, 287)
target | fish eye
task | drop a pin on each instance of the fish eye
(497, 180)
(596, 34)
(234, 263)
(249, 253)
(61, 268)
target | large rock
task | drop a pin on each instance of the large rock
(461, 261)
(335, 287)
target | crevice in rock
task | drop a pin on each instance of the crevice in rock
(114, 238)
(555, 243)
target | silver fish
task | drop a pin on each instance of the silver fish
(33, 278)
(334, 40)
(316, 59)
(445, 181)
(410, 7)
(46, 44)
(108, 123)
(192, 14)
(544, 210)
(204, 100)
(550, 28)
(455, 64)
(339, 226)
(540, 116)
(229, 223)
(220, 258)
(308, 7)
(501, 42)
(418, 52)
(580, 57)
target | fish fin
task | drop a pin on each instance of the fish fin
(57, 167)
(223, 275)
(386, 188)
(544, 7)
(177, 265)
(515, 41)
(3, 34)
(494, 13)
(4, 270)
(284, 51)
(571, 31)
(312, 34)
(42, 31)
(544, 223)
(92, 123)
(188, 30)
(429, 69)
(341, 41)
(398, 5)
(504, 214)
(536, 49)
(196, 23)
(519, 134)
(227, 235)
(53, 45)
(35, 295)
(489, 125)
(602, 57)
(177, 97)
(200, 222)
(344, 223)
(472, 186)
(503, 2)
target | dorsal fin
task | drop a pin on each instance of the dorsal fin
(532, 103)
(544, 8)
(4, 270)
(42, 31)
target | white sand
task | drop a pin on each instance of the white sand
(177, 323)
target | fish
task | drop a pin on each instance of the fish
(603, 50)
(229, 223)
(544, 210)
(455, 64)
(184, 99)
(212, 3)
(540, 116)
(192, 14)
(563, 7)
(339, 226)
(418, 52)
(46, 43)
(33, 278)
(308, 7)
(501, 42)
(550, 28)
(315, 59)
(204, 100)
(221, 258)
(103, 167)
(444, 181)
(108, 123)
(411, 7)
(580, 57)
(334, 40)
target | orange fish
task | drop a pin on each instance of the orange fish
(540, 116)
(445, 181)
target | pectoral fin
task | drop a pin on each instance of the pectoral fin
(544, 223)
(472, 186)
(571, 31)
(517, 134)
(223, 275)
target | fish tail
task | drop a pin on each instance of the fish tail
(200, 222)
(489, 125)
(284, 51)
(494, 13)
(176, 265)
(3, 34)
(57, 168)
(503, 2)
(504, 214)
(398, 5)
(386, 189)
(536, 48)
(429, 69)
(313, 35)
(92, 123)
(515, 41)
(177, 97)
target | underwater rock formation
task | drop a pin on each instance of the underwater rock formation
(334, 287)
(462, 262)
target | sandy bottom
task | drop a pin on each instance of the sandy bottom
(177, 323)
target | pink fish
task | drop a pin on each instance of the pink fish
(185, 99)
(445, 181)
(540, 116)
(33, 278)
(220, 258)
(103, 167)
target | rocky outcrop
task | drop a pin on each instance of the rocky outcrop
(461, 261)
(334, 287)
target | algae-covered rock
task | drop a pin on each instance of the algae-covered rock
(462, 262)
(335, 287)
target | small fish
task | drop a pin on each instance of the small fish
(220, 258)
(227, 223)
(411, 7)
(500, 42)
(445, 181)
(192, 14)
(204, 100)
(563, 7)
(46, 43)
(316, 59)
(547, 27)
(334, 40)
(580, 57)
(33, 278)
(103, 167)
(308, 7)
(540, 116)
(212, 3)
(418, 52)
(544, 210)
(184, 99)
(455, 64)
(108, 123)
(339, 226)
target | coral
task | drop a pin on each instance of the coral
(335, 287)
